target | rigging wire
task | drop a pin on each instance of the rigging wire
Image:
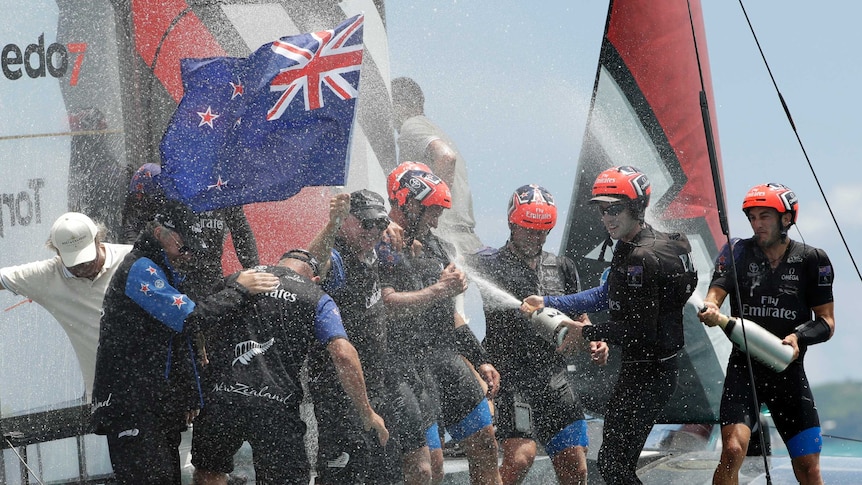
(842, 438)
(799, 141)
(721, 207)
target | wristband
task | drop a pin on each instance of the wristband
(813, 332)
(468, 345)
(589, 333)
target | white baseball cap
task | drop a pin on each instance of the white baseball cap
(74, 236)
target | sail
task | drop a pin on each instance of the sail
(645, 111)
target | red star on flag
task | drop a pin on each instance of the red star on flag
(152, 270)
(238, 90)
(145, 288)
(207, 117)
(178, 301)
(218, 185)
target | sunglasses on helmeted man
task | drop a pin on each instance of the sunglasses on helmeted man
(612, 210)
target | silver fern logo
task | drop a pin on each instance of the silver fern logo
(245, 351)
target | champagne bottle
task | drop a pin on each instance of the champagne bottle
(548, 323)
(763, 345)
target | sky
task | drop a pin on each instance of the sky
(511, 82)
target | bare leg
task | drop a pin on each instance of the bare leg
(571, 465)
(518, 457)
(205, 477)
(481, 448)
(734, 445)
(436, 466)
(417, 467)
(807, 469)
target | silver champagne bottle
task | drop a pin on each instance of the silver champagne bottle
(763, 345)
(548, 323)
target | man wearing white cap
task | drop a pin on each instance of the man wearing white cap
(72, 284)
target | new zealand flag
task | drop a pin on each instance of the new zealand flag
(261, 128)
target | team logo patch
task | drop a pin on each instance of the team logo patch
(387, 255)
(635, 276)
(246, 351)
(721, 264)
(340, 462)
(129, 433)
(824, 275)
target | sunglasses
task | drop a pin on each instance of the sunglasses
(612, 210)
(181, 248)
(379, 224)
(305, 257)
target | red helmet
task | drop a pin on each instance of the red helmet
(424, 187)
(393, 180)
(533, 207)
(617, 182)
(775, 196)
(623, 182)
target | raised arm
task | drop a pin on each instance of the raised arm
(321, 245)
(176, 310)
(443, 159)
(244, 242)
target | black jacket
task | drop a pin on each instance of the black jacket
(650, 280)
(145, 364)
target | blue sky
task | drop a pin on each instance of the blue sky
(511, 83)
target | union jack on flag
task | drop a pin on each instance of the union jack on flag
(315, 67)
(260, 128)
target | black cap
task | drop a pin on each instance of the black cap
(305, 257)
(180, 218)
(368, 206)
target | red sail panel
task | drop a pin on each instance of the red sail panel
(654, 40)
(168, 30)
(283, 225)
(645, 111)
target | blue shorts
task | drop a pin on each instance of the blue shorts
(474, 422)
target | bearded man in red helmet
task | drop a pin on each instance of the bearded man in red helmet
(536, 401)
(786, 287)
(426, 334)
(650, 279)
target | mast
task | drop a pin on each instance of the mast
(643, 110)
